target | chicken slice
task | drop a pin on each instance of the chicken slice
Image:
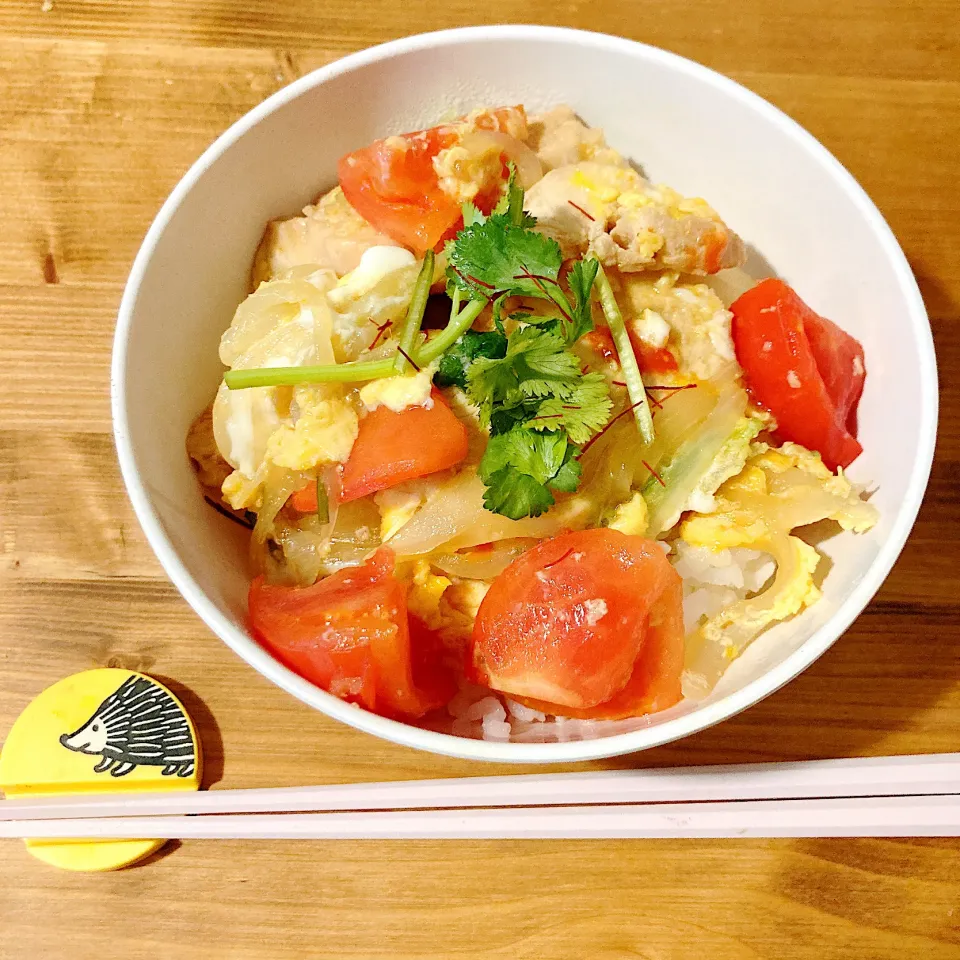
(330, 234)
(559, 138)
(629, 223)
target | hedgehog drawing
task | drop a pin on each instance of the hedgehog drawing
(138, 724)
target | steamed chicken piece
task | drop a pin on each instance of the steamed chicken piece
(330, 234)
(560, 138)
(630, 224)
(777, 491)
(202, 450)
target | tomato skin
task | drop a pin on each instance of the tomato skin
(801, 367)
(568, 624)
(839, 358)
(305, 500)
(654, 684)
(392, 184)
(349, 635)
(393, 447)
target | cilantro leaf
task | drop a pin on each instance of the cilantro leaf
(567, 478)
(536, 364)
(471, 214)
(580, 279)
(538, 455)
(520, 466)
(497, 256)
(528, 386)
(452, 370)
(581, 411)
(515, 495)
(510, 203)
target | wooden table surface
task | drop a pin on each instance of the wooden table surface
(104, 105)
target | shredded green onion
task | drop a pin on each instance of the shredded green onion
(410, 327)
(357, 370)
(456, 328)
(628, 360)
(325, 373)
(323, 504)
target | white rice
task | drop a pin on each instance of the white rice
(711, 581)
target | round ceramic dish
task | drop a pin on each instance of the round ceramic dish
(705, 135)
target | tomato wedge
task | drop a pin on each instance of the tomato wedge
(349, 635)
(654, 684)
(806, 370)
(586, 624)
(393, 185)
(393, 447)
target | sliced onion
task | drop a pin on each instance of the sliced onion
(482, 564)
(454, 518)
(529, 170)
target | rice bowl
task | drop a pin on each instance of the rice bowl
(693, 106)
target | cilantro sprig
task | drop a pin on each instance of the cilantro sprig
(528, 385)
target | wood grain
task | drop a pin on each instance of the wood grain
(105, 103)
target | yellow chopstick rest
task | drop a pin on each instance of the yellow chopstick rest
(100, 731)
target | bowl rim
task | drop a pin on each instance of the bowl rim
(557, 752)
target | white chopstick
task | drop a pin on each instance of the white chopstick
(861, 777)
(924, 816)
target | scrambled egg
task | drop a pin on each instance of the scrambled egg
(466, 170)
(398, 393)
(324, 432)
(777, 491)
(446, 605)
(631, 517)
(375, 264)
(609, 209)
(371, 298)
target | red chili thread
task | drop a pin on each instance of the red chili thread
(468, 278)
(409, 358)
(656, 476)
(577, 206)
(596, 437)
(381, 330)
(538, 280)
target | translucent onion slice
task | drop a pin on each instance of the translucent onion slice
(529, 170)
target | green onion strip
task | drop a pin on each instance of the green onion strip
(628, 360)
(357, 371)
(410, 327)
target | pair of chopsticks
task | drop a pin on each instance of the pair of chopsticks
(912, 796)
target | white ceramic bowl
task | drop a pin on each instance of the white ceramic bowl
(687, 126)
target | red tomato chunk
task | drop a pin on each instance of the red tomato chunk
(349, 635)
(587, 624)
(803, 368)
